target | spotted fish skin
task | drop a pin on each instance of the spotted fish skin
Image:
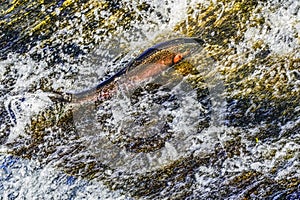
(148, 64)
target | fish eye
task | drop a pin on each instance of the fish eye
(177, 58)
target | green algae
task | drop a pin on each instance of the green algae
(221, 22)
(262, 82)
(56, 23)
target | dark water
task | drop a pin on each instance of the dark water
(224, 124)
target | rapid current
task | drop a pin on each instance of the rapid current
(221, 122)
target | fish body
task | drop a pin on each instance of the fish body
(147, 65)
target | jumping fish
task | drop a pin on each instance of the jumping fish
(147, 65)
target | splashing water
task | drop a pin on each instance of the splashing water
(222, 124)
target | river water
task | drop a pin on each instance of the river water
(223, 124)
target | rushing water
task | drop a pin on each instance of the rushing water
(222, 124)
